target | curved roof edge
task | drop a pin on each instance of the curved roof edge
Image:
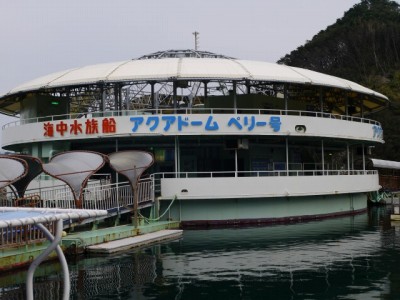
(186, 65)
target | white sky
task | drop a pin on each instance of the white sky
(45, 36)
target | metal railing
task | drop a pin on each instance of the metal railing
(51, 192)
(106, 197)
(100, 197)
(22, 235)
(168, 111)
(262, 173)
(95, 196)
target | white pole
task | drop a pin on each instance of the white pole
(55, 240)
(348, 159)
(287, 157)
(236, 163)
(177, 158)
(234, 96)
(285, 96)
(363, 155)
(323, 157)
(196, 40)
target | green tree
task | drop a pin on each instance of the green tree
(362, 46)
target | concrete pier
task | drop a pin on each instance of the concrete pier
(136, 241)
(78, 242)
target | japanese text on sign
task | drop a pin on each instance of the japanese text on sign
(248, 123)
(89, 126)
(162, 123)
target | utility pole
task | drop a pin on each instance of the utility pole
(196, 40)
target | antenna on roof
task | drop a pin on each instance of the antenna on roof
(196, 40)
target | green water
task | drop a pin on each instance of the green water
(346, 258)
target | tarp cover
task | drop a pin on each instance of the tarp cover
(75, 169)
(188, 69)
(11, 169)
(34, 169)
(131, 163)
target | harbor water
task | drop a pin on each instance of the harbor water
(355, 257)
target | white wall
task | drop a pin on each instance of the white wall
(251, 187)
(315, 127)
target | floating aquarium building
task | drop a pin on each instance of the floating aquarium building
(233, 140)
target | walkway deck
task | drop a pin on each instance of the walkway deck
(136, 241)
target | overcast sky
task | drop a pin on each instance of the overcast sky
(45, 36)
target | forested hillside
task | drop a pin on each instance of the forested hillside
(362, 46)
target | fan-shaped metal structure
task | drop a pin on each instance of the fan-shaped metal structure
(75, 169)
(11, 169)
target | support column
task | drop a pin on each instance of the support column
(362, 109)
(116, 98)
(68, 95)
(135, 205)
(152, 95)
(103, 99)
(116, 173)
(321, 101)
(348, 158)
(175, 96)
(248, 87)
(352, 158)
(234, 97)
(285, 96)
(323, 157)
(287, 156)
(177, 156)
(120, 98)
(126, 100)
(205, 93)
(363, 156)
(236, 163)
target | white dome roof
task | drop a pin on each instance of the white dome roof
(150, 68)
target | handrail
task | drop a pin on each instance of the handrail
(109, 196)
(22, 235)
(168, 111)
(97, 196)
(275, 173)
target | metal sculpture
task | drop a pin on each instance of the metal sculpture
(131, 164)
(34, 168)
(75, 168)
(11, 170)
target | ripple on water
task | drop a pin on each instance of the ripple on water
(344, 258)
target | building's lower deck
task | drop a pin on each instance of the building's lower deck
(214, 212)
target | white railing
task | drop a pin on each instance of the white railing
(145, 191)
(107, 197)
(262, 173)
(99, 197)
(96, 196)
(166, 111)
(51, 192)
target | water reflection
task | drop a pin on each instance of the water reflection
(345, 258)
(107, 277)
